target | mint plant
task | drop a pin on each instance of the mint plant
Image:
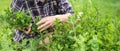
(97, 29)
(21, 21)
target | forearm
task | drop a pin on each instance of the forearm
(63, 18)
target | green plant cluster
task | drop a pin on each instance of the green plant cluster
(21, 20)
(95, 26)
(18, 19)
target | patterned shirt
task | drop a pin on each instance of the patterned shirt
(38, 8)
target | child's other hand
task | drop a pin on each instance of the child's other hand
(28, 29)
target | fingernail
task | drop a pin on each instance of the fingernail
(41, 30)
(36, 23)
(37, 28)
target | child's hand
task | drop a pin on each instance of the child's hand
(46, 23)
(28, 29)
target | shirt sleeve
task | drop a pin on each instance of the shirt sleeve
(17, 5)
(64, 7)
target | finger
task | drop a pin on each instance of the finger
(44, 28)
(47, 40)
(29, 28)
(41, 21)
(30, 25)
(45, 24)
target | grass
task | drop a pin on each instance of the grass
(4, 4)
(96, 30)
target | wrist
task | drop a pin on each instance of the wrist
(60, 17)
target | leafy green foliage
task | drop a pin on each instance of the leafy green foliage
(17, 19)
(97, 29)
(21, 20)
